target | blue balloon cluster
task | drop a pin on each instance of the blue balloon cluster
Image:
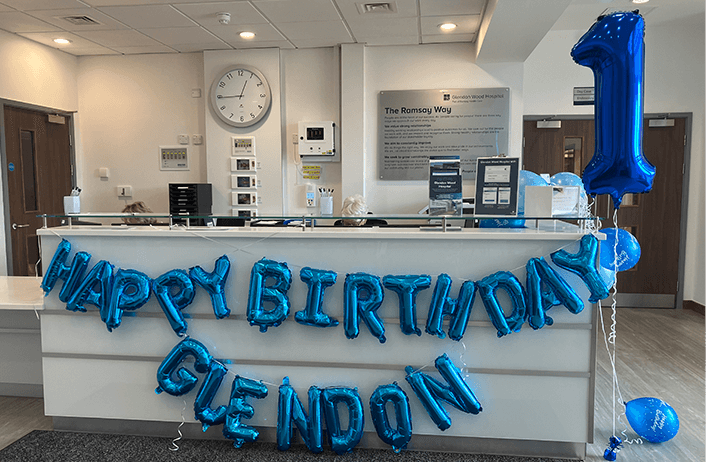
(613, 48)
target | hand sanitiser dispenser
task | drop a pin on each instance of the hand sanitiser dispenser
(317, 139)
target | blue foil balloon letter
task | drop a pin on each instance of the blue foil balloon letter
(239, 409)
(584, 264)
(215, 285)
(343, 442)
(540, 274)
(429, 391)
(652, 419)
(202, 404)
(363, 295)
(290, 409)
(399, 437)
(613, 48)
(94, 289)
(174, 291)
(276, 294)
(488, 287)
(407, 288)
(317, 281)
(131, 290)
(186, 380)
(458, 309)
(71, 275)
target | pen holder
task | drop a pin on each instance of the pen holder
(326, 206)
(72, 205)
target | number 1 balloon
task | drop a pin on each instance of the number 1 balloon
(613, 48)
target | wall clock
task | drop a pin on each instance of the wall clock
(241, 96)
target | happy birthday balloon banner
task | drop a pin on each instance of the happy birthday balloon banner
(115, 292)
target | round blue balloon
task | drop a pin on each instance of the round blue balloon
(652, 419)
(626, 248)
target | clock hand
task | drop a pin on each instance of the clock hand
(227, 96)
(243, 90)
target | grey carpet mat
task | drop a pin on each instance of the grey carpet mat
(46, 446)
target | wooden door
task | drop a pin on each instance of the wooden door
(653, 218)
(39, 176)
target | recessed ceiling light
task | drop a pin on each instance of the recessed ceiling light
(447, 27)
(640, 1)
(62, 41)
(247, 35)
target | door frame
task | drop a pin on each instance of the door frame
(3, 164)
(688, 116)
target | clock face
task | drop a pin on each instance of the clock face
(241, 96)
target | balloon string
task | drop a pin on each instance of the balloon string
(175, 447)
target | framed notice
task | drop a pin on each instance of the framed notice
(496, 185)
(416, 124)
(445, 196)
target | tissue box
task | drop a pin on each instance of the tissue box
(550, 201)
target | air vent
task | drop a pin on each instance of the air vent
(376, 7)
(80, 20)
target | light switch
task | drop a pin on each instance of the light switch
(183, 139)
(197, 139)
(103, 172)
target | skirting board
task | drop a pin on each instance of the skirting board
(25, 390)
(694, 306)
(495, 446)
(644, 300)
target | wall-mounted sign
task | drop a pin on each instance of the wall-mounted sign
(584, 96)
(416, 124)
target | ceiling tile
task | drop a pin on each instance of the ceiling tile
(280, 11)
(118, 38)
(47, 38)
(5, 8)
(97, 3)
(405, 9)
(15, 21)
(384, 27)
(55, 17)
(180, 35)
(318, 43)
(327, 30)
(151, 49)
(384, 41)
(230, 34)
(148, 16)
(451, 7)
(205, 13)
(467, 24)
(448, 38)
(97, 51)
(195, 47)
(284, 45)
(27, 5)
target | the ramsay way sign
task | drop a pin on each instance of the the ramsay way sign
(416, 124)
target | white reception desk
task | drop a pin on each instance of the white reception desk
(536, 386)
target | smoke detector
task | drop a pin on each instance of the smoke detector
(223, 18)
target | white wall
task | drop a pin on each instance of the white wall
(674, 82)
(128, 107)
(423, 68)
(34, 74)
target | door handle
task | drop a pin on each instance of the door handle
(15, 226)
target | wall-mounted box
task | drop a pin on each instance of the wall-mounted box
(242, 146)
(317, 138)
(173, 158)
(243, 164)
(243, 198)
(243, 181)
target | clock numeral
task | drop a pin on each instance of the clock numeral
(262, 95)
(222, 84)
(242, 119)
(231, 115)
(229, 75)
(252, 116)
(240, 73)
(259, 106)
(252, 75)
(222, 108)
(259, 84)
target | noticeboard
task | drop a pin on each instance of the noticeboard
(416, 124)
